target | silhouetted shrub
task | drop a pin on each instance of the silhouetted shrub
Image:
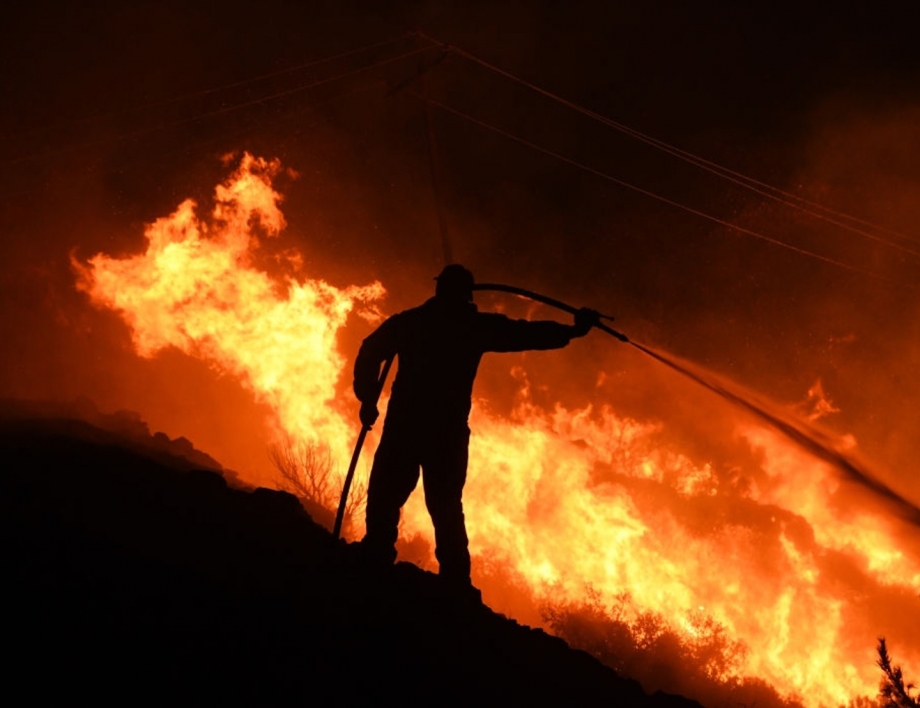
(701, 664)
(307, 471)
(893, 692)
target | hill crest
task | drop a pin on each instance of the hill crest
(141, 574)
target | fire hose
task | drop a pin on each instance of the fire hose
(529, 294)
(346, 487)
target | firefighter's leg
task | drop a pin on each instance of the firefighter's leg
(394, 475)
(444, 474)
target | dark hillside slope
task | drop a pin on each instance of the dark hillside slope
(133, 576)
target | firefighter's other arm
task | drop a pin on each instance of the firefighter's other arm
(377, 348)
(367, 372)
(368, 413)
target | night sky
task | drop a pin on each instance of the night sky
(112, 115)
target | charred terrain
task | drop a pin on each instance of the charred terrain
(134, 568)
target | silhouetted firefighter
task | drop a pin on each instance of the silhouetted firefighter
(439, 345)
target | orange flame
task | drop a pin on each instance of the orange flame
(571, 501)
(195, 289)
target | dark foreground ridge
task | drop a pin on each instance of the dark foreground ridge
(131, 574)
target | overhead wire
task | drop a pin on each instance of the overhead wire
(214, 89)
(790, 199)
(654, 195)
(813, 209)
(223, 110)
(6, 194)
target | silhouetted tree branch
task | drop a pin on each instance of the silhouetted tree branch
(307, 471)
(893, 692)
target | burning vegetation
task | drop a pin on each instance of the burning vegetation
(766, 583)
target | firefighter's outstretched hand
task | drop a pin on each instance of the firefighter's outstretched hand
(368, 414)
(585, 319)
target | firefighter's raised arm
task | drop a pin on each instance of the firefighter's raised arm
(503, 334)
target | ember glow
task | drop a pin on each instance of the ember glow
(574, 503)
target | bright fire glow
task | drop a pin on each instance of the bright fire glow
(195, 289)
(573, 502)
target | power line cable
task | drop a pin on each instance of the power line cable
(794, 201)
(216, 89)
(222, 110)
(655, 142)
(210, 140)
(655, 195)
(776, 194)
